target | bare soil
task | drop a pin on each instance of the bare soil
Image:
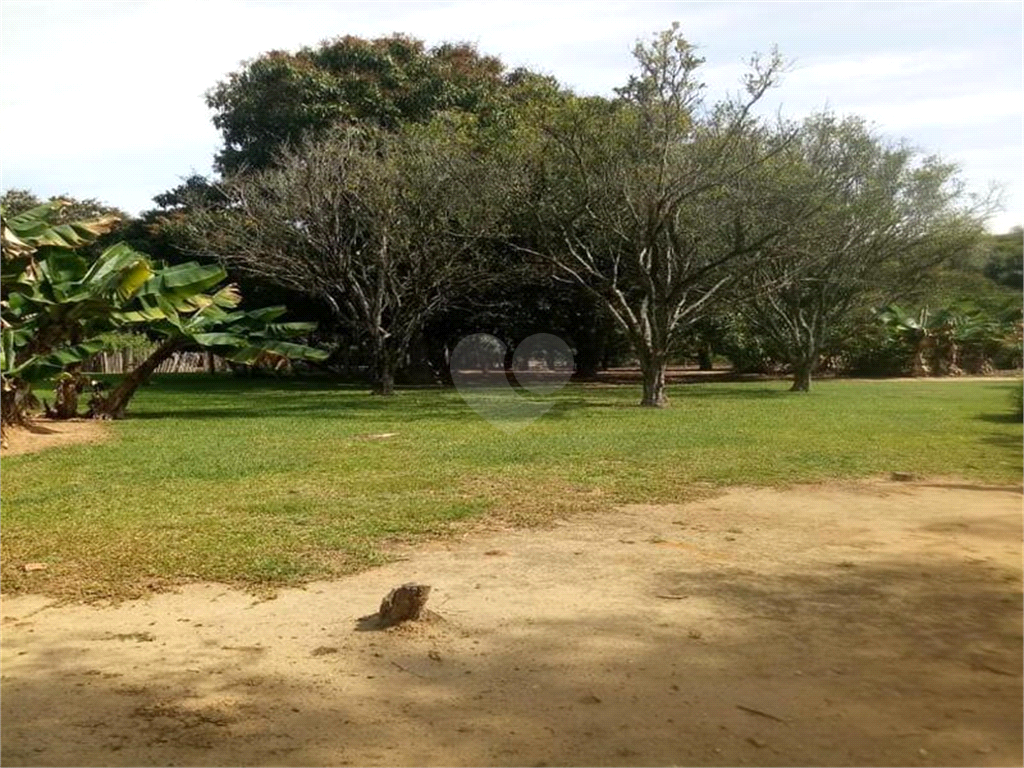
(43, 434)
(860, 624)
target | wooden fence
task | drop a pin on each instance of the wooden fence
(125, 360)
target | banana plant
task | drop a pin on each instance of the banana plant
(52, 301)
(25, 233)
(935, 336)
(57, 304)
(66, 301)
(954, 340)
(207, 320)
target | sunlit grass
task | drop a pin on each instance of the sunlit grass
(272, 482)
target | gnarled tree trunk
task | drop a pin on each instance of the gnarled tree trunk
(65, 394)
(805, 364)
(652, 369)
(16, 400)
(801, 377)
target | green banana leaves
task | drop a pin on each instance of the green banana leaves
(56, 303)
(34, 229)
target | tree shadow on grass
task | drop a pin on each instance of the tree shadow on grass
(1007, 443)
(338, 409)
(733, 393)
(999, 418)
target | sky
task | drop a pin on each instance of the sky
(106, 99)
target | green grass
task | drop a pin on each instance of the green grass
(265, 483)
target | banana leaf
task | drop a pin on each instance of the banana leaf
(34, 229)
(40, 367)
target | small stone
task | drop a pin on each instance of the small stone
(695, 634)
(922, 752)
(434, 655)
(30, 567)
(903, 477)
(757, 742)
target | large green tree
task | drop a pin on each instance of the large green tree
(279, 98)
(654, 201)
(1004, 262)
(882, 217)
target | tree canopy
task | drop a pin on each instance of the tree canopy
(882, 216)
(412, 195)
(653, 200)
(278, 98)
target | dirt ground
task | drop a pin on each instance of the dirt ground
(863, 624)
(41, 435)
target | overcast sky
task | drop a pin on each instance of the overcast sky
(105, 99)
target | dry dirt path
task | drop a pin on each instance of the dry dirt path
(858, 624)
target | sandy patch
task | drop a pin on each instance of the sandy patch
(42, 434)
(864, 624)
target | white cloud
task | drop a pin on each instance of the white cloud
(113, 100)
(837, 71)
(963, 109)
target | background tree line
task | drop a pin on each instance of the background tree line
(403, 196)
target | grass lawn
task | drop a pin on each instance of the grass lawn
(271, 482)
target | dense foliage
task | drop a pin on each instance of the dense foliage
(400, 197)
(60, 306)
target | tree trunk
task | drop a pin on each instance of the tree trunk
(803, 367)
(588, 355)
(509, 356)
(114, 405)
(704, 357)
(16, 400)
(211, 364)
(385, 385)
(919, 364)
(384, 380)
(586, 369)
(417, 368)
(65, 394)
(652, 368)
(801, 377)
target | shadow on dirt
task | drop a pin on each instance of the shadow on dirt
(911, 662)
